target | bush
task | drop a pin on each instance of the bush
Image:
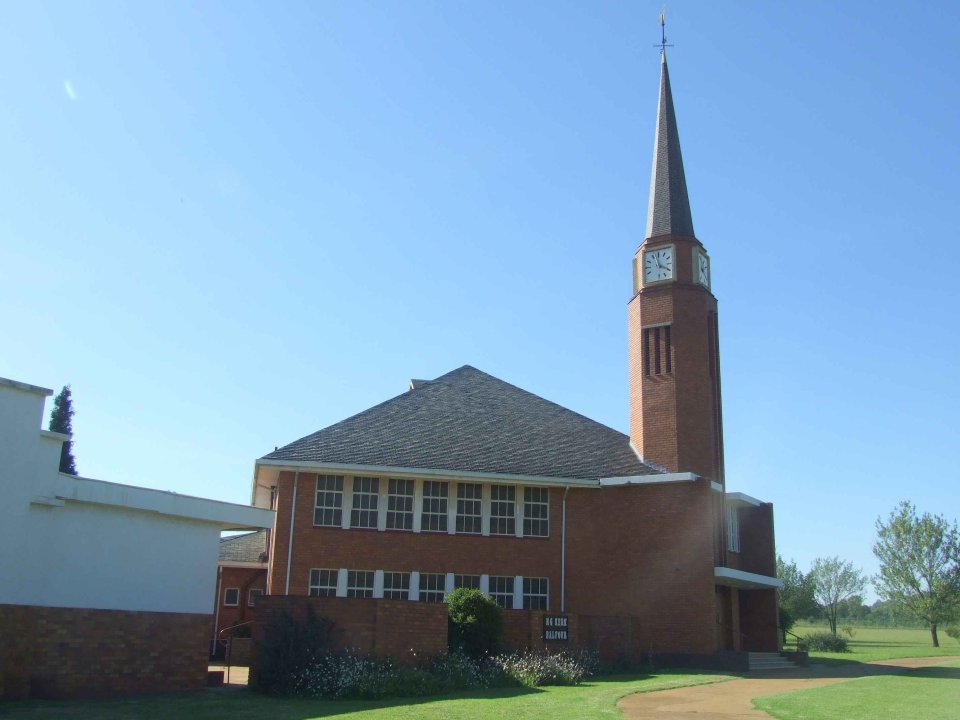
(345, 675)
(848, 631)
(954, 632)
(287, 649)
(826, 642)
(475, 623)
(536, 669)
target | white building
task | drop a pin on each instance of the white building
(104, 588)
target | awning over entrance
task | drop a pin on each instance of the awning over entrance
(745, 580)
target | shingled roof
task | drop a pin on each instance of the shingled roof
(470, 421)
(249, 547)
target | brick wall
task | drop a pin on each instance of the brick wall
(403, 551)
(244, 579)
(646, 552)
(403, 630)
(675, 418)
(50, 652)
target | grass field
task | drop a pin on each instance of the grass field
(883, 644)
(594, 699)
(928, 693)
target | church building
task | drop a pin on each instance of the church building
(468, 481)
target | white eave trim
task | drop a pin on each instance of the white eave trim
(51, 435)
(26, 387)
(747, 580)
(742, 499)
(239, 564)
(403, 472)
(648, 479)
(228, 516)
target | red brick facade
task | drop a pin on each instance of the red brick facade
(242, 579)
(48, 652)
(405, 631)
(675, 414)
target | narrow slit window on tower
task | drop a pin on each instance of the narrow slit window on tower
(656, 351)
(668, 349)
(646, 351)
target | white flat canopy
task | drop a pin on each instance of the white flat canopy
(745, 580)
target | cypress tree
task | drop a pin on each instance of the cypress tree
(61, 421)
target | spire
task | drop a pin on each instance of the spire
(669, 212)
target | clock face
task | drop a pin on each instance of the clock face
(658, 264)
(703, 269)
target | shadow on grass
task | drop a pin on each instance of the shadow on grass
(236, 704)
(939, 672)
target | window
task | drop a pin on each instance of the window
(400, 505)
(466, 581)
(535, 593)
(536, 512)
(360, 583)
(501, 590)
(432, 586)
(469, 507)
(657, 347)
(503, 519)
(253, 595)
(434, 515)
(396, 585)
(231, 596)
(733, 529)
(323, 583)
(328, 510)
(366, 494)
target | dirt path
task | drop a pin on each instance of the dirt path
(730, 700)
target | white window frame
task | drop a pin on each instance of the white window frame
(438, 581)
(504, 522)
(394, 499)
(441, 502)
(476, 501)
(502, 589)
(466, 581)
(355, 588)
(365, 488)
(389, 581)
(541, 591)
(733, 528)
(226, 592)
(540, 504)
(314, 586)
(336, 494)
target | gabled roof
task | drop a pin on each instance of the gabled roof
(249, 547)
(669, 211)
(469, 421)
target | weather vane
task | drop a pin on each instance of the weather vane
(663, 31)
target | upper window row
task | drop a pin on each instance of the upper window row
(464, 511)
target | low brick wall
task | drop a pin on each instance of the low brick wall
(400, 629)
(48, 652)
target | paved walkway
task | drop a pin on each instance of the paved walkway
(730, 700)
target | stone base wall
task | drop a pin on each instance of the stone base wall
(50, 652)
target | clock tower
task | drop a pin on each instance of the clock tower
(675, 418)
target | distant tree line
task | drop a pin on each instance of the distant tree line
(918, 583)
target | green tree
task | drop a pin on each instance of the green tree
(475, 623)
(61, 421)
(919, 565)
(796, 596)
(834, 580)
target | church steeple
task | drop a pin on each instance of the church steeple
(669, 211)
(675, 408)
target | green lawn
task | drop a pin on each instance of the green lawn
(594, 699)
(883, 644)
(931, 693)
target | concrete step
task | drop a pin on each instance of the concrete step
(769, 661)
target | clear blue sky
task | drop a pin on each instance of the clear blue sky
(229, 225)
